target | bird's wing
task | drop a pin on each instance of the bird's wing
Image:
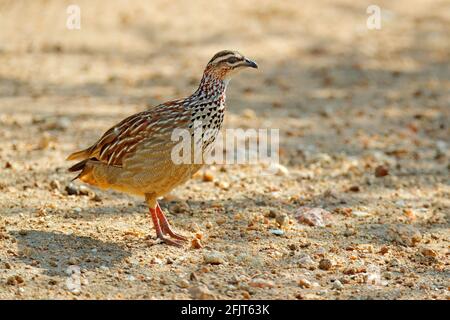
(121, 140)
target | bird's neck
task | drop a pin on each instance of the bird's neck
(212, 88)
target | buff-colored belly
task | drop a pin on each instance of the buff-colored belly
(157, 180)
(149, 171)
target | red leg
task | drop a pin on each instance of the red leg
(165, 226)
(159, 232)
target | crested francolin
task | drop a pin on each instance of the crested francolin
(134, 156)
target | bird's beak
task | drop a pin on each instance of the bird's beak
(250, 63)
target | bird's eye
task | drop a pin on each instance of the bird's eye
(232, 60)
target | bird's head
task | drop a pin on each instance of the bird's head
(226, 63)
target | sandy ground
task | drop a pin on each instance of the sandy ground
(346, 100)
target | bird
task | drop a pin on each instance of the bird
(134, 156)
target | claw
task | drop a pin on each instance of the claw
(170, 241)
(162, 227)
(165, 226)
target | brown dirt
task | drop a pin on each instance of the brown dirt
(346, 99)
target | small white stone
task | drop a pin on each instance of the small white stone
(304, 283)
(261, 283)
(338, 285)
(276, 232)
(305, 261)
(213, 258)
(281, 170)
(183, 283)
(360, 213)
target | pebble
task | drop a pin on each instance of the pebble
(213, 258)
(305, 261)
(71, 189)
(282, 219)
(183, 283)
(394, 262)
(357, 213)
(441, 148)
(272, 214)
(222, 185)
(429, 252)
(208, 176)
(96, 198)
(384, 250)
(325, 264)
(41, 212)
(73, 285)
(261, 283)
(338, 285)
(196, 243)
(201, 292)
(381, 171)
(373, 275)
(406, 235)
(276, 232)
(221, 220)
(279, 170)
(83, 190)
(157, 261)
(55, 185)
(208, 225)
(304, 283)
(322, 292)
(14, 280)
(52, 264)
(314, 217)
(180, 207)
(193, 276)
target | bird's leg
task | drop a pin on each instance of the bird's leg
(159, 232)
(165, 226)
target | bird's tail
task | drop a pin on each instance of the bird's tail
(78, 166)
(83, 154)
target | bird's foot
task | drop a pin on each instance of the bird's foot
(165, 226)
(170, 242)
(168, 231)
(162, 228)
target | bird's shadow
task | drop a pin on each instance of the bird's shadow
(54, 252)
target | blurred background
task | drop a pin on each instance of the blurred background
(317, 59)
(346, 99)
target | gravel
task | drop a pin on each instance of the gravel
(349, 117)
